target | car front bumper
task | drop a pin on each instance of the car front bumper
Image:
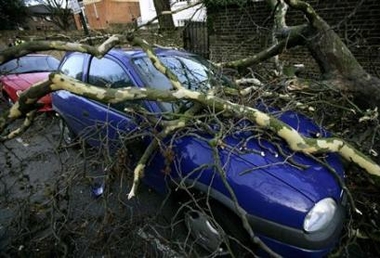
(296, 242)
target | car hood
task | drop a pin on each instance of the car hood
(23, 81)
(268, 179)
(296, 169)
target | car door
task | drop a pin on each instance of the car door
(94, 121)
(109, 121)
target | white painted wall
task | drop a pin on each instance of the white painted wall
(148, 12)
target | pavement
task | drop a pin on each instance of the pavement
(59, 201)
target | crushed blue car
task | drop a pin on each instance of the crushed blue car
(296, 208)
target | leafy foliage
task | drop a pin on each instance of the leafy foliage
(12, 14)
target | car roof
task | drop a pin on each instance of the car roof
(138, 52)
(132, 53)
(37, 55)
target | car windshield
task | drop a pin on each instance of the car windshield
(30, 64)
(193, 72)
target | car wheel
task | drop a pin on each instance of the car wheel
(205, 231)
(67, 136)
(214, 227)
(238, 238)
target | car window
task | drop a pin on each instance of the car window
(194, 73)
(73, 66)
(190, 73)
(105, 72)
(30, 64)
(108, 73)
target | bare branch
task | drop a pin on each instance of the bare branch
(295, 140)
(27, 123)
(306, 8)
(155, 60)
(35, 46)
(295, 38)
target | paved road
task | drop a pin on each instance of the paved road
(47, 206)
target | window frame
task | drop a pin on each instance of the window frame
(126, 71)
(72, 55)
(115, 60)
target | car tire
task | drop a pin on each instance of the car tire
(204, 230)
(239, 240)
(219, 223)
(67, 136)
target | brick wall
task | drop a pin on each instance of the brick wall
(101, 15)
(238, 31)
(122, 12)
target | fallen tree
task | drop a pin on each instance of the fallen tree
(296, 141)
(28, 100)
(342, 76)
(338, 67)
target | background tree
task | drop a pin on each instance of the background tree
(61, 15)
(12, 14)
(165, 20)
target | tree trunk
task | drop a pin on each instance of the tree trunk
(165, 20)
(337, 64)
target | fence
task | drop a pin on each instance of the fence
(195, 38)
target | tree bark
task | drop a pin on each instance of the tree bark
(165, 20)
(336, 62)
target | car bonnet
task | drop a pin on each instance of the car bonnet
(269, 178)
(315, 179)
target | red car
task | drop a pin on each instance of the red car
(19, 74)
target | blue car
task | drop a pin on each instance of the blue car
(292, 202)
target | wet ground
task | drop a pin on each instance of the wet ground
(57, 201)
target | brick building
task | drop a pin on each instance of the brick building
(100, 14)
(236, 31)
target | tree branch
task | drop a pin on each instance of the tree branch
(295, 140)
(28, 121)
(168, 127)
(35, 46)
(295, 37)
(155, 60)
(238, 209)
(306, 8)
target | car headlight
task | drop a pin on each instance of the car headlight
(320, 215)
